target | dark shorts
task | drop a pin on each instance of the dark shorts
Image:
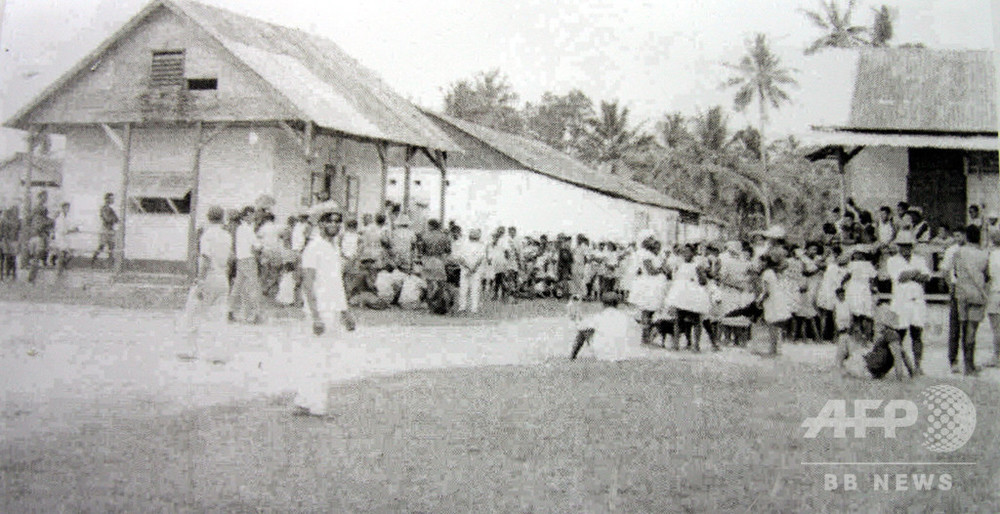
(968, 311)
(107, 240)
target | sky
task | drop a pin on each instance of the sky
(653, 56)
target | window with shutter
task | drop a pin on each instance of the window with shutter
(167, 69)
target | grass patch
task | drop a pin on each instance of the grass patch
(677, 435)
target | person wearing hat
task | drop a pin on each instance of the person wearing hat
(326, 308)
(206, 298)
(909, 273)
(874, 361)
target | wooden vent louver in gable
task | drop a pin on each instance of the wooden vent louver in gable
(168, 69)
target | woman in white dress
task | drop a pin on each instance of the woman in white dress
(649, 282)
(689, 297)
(861, 279)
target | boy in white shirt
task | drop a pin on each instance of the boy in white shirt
(411, 294)
(60, 238)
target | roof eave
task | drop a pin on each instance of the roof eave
(17, 121)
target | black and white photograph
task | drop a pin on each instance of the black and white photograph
(489, 256)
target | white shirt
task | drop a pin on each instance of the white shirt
(61, 231)
(886, 232)
(412, 290)
(614, 333)
(321, 255)
(299, 236)
(909, 291)
(994, 270)
(216, 244)
(386, 282)
(471, 254)
(349, 244)
(246, 241)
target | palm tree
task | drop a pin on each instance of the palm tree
(609, 138)
(759, 76)
(837, 25)
(881, 30)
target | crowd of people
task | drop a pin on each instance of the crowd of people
(43, 239)
(832, 288)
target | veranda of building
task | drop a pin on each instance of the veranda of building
(188, 106)
(922, 129)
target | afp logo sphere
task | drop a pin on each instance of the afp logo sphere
(951, 418)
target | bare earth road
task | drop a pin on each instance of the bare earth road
(62, 366)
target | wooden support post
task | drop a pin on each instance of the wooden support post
(443, 165)
(410, 152)
(383, 156)
(33, 137)
(193, 210)
(123, 193)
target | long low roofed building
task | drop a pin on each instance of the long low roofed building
(503, 179)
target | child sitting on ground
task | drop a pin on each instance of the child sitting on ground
(388, 283)
(610, 332)
(874, 360)
(413, 290)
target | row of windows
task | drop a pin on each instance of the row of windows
(393, 182)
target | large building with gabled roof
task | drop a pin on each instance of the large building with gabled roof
(187, 106)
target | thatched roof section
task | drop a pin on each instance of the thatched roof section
(323, 83)
(923, 90)
(541, 158)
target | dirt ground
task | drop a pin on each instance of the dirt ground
(81, 376)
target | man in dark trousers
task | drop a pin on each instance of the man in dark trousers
(109, 219)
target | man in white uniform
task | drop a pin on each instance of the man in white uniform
(471, 257)
(326, 304)
(909, 273)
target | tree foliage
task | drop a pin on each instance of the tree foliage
(837, 25)
(488, 99)
(560, 121)
(609, 138)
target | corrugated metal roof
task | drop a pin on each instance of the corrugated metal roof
(313, 73)
(539, 157)
(925, 90)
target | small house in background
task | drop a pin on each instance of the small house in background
(922, 129)
(188, 106)
(46, 175)
(503, 179)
